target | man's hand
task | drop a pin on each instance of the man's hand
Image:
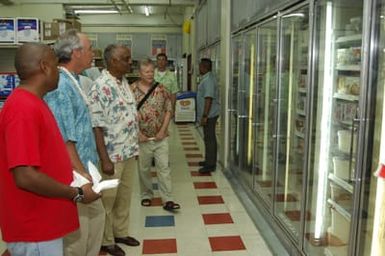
(89, 194)
(204, 121)
(161, 135)
(108, 167)
(142, 137)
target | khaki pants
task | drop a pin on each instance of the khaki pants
(86, 241)
(117, 201)
(158, 150)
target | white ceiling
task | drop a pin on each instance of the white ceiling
(124, 7)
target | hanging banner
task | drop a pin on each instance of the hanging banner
(124, 39)
(158, 44)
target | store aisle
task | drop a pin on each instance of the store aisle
(212, 221)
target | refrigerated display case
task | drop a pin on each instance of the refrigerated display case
(265, 109)
(334, 132)
(292, 117)
(234, 130)
(318, 103)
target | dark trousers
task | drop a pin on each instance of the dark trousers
(210, 140)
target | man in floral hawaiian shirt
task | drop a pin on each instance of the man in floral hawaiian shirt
(154, 118)
(114, 118)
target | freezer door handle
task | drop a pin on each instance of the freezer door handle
(231, 110)
(243, 116)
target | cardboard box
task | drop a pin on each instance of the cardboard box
(72, 23)
(7, 30)
(27, 29)
(52, 30)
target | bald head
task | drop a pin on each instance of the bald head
(28, 58)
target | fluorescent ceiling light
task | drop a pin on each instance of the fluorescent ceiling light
(146, 11)
(294, 15)
(95, 11)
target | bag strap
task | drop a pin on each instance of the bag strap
(146, 96)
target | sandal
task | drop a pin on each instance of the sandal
(171, 206)
(145, 202)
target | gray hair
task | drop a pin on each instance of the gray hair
(109, 52)
(145, 63)
(64, 46)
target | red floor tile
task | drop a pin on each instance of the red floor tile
(159, 246)
(191, 149)
(226, 243)
(296, 215)
(327, 240)
(6, 253)
(187, 134)
(203, 185)
(156, 201)
(196, 173)
(265, 183)
(285, 198)
(185, 143)
(189, 155)
(217, 218)
(193, 163)
(210, 200)
(187, 138)
(102, 253)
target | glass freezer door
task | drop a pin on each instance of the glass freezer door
(265, 110)
(246, 99)
(293, 92)
(233, 111)
(334, 129)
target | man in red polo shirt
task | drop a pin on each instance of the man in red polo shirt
(37, 205)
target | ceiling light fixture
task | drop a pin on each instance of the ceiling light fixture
(95, 11)
(146, 11)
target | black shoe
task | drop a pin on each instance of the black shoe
(128, 240)
(207, 169)
(202, 163)
(113, 250)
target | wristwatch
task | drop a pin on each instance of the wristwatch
(79, 196)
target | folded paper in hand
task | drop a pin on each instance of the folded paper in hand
(99, 185)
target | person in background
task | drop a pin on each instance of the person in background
(35, 169)
(154, 117)
(69, 105)
(208, 109)
(114, 117)
(164, 76)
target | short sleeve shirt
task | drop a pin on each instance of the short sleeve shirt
(113, 108)
(168, 79)
(208, 88)
(152, 112)
(29, 136)
(73, 118)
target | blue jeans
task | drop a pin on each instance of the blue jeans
(46, 248)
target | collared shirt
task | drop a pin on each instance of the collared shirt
(208, 88)
(152, 112)
(113, 108)
(74, 120)
(168, 80)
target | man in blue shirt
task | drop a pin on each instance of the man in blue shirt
(69, 105)
(208, 109)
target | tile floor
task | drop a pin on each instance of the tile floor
(212, 221)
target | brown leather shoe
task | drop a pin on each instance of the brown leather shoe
(128, 240)
(114, 250)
